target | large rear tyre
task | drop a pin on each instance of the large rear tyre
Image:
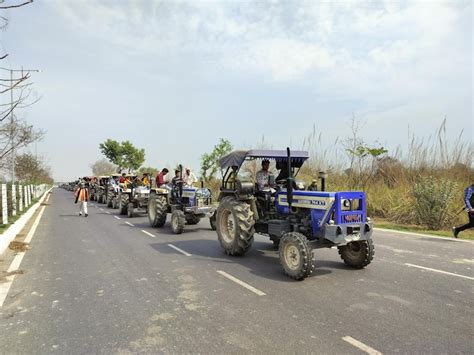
(177, 221)
(235, 226)
(157, 211)
(357, 254)
(296, 256)
(114, 203)
(123, 204)
(109, 202)
(192, 219)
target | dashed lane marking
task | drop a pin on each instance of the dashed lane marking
(117, 217)
(149, 234)
(241, 283)
(180, 250)
(439, 271)
(130, 224)
(107, 212)
(367, 349)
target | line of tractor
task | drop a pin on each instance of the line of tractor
(295, 219)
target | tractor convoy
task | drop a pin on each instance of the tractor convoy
(296, 220)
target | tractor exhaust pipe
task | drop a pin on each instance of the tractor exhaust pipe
(323, 176)
(181, 177)
(289, 181)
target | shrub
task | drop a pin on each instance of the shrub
(432, 200)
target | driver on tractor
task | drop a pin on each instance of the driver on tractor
(265, 179)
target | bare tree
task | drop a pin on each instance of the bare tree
(103, 167)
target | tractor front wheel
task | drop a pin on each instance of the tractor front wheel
(130, 209)
(177, 221)
(235, 226)
(123, 204)
(357, 254)
(213, 222)
(296, 256)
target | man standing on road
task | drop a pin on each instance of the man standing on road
(82, 196)
(469, 202)
(160, 178)
(189, 178)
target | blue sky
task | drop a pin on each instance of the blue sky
(174, 76)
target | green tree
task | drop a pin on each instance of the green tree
(123, 154)
(210, 161)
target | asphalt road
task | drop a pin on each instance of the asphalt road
(99, 285)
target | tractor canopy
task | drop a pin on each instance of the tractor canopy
(238, 157)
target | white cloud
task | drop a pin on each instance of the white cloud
(280, 39)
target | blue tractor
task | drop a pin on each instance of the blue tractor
(297, 221)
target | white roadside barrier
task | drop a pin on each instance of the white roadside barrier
(25, 198)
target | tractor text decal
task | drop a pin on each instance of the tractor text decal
(351, 218)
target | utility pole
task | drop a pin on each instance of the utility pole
(12, 118)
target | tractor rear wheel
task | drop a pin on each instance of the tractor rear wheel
(157, 210)
(114, 203)
(177, 221)
(123, 204)
(130, 209)
(235, 226)
(109, 201)
(357, 254)
(192, 219)
(296, 256)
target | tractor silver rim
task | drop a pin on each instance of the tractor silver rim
(353, 249)
(174, 221)
(292, 256)
(227, 226)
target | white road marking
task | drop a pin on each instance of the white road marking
(423, 235)
(117, 217)
(15, 265)
(101, 209)
(147, 233)
(180, 250)
(130, 224)
(439, 271)
(107, 212)
(361, 346)
(241, 283)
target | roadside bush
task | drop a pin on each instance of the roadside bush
(432, 200)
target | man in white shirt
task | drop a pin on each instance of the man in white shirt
(189, 178)
(263, 177)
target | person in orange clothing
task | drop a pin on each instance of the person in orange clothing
(82, 196)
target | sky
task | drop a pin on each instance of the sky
(175, 76)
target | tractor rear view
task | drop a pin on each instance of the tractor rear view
(297, 221)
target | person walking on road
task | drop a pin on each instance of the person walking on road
(469, 203)
(82, 196)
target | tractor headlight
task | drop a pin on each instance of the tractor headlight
(346, 203)
(331, 222)
(369, 219)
